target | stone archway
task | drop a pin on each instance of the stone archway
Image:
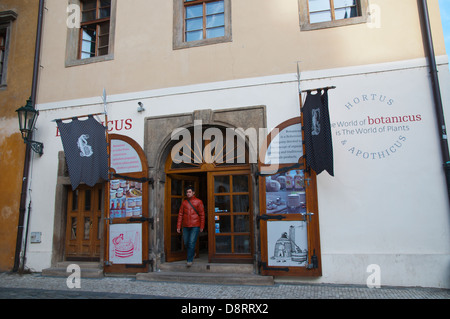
(157, 146)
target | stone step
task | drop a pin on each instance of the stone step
(207, 268)
(82, 264)
(207, 278)
(88, 269)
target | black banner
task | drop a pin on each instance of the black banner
(85, 149)
(317, 129)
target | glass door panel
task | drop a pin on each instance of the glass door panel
(176, 185)
(230, 213)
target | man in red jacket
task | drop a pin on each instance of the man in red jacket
(192, 217)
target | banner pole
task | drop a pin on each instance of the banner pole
(107, 187)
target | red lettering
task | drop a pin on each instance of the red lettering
(117, 125)
(121, 127)
(394, 119)
(107, 126)
(128, 124)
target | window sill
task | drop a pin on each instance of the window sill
(191, 44)
(102, 58)
(333, 24)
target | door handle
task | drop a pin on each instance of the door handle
(306, 215)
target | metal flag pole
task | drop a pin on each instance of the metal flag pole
(106, 191)
(299, 86)
(108, 146)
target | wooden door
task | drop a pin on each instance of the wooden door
(175, 194)
(83, 234)
(230, 218)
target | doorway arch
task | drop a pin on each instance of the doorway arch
(221, 174)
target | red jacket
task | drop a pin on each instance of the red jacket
(187, 217)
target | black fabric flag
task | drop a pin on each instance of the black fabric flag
(317, 128)
(84, 144)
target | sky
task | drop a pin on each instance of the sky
(444, 6)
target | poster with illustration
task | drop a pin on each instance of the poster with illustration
(125, 243)
(285, 193)
(287, 243)
(125, 198)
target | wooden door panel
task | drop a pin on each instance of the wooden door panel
(83, 216)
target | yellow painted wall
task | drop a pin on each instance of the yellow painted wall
(267, 40)
(12, 148)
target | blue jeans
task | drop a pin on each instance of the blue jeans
(190, 235)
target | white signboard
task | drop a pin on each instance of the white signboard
(125, 243)
(286, 147)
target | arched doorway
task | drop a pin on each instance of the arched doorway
(216, 161)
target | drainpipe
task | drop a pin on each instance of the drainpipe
(26, 168)
(436, 90)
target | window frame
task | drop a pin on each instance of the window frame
(74, 35)
(95, 23)
(305, 25)
(179, 25)
(6, 20)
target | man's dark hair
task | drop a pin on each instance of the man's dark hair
(191, 188)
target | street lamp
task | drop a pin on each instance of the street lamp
(27, 120)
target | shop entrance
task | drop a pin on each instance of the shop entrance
(226, 191)
(227, 199)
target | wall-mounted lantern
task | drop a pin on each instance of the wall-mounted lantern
(27, 120)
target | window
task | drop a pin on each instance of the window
(204, 20)
(93, 41)
(318, 14)
(6, 19)
(95, 25)
(201, 22)
(2, 52)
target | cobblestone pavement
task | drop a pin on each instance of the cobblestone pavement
(35, 286)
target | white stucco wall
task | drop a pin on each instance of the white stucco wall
(389, 209)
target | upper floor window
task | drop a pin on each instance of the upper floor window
(6, 19)
(318, 14)
(95, 25)
(93, 41)
(2, 52)
(201, 22)
(204, 19)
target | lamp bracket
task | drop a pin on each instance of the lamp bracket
(37, 147)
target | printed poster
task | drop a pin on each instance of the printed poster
(285, 193)
(287, 243)
(125, 199)
(125, 243)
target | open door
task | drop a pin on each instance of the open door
(230, 231)
(175, 194)
(128, 223)
(289, 220)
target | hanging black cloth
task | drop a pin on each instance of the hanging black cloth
(317, 129)
(84, 144)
